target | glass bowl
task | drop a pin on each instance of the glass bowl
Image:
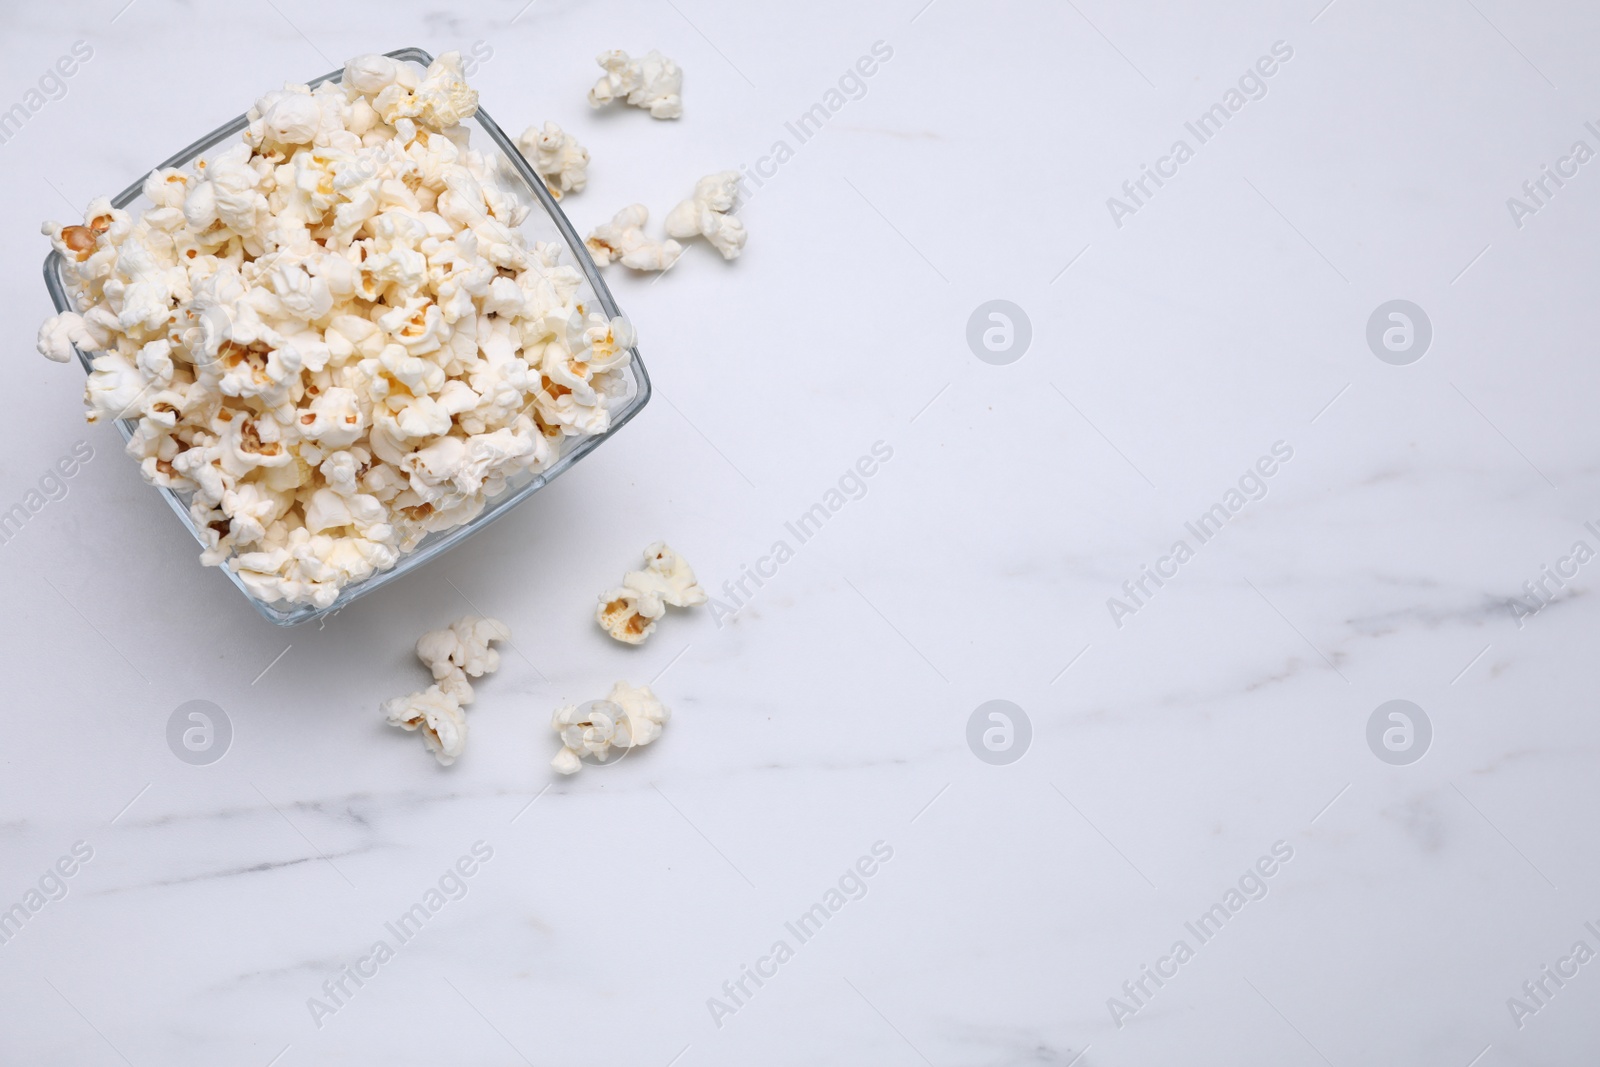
(549, 225)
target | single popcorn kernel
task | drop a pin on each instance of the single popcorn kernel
(627, 718)
(652, 82)
(708, 214)
(558, 158)
(629, 613)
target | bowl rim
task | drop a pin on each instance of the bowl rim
(295, 614)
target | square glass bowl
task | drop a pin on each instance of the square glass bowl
(549, 225)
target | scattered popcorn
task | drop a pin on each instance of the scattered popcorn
(623, 239)
(671, 575)
(459, 651)
(629, 612)
(645, 714)
(706, 214)
(629, 615)
(332, 336)
(557, 157)
(585, 731)
(627, 718)
(654, 83)
(463, 646)
(438, 715)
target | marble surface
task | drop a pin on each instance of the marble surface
(1174, 342)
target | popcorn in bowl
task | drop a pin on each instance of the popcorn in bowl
(333, 339)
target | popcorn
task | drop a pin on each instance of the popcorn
(645, 714)
(669, 575)
(452, 655)
(438, 715)
(629, 615)
(442, 99)
(585, 731)
(654, 83)
(371, 74)
(332, 335)
(463, 646)
(557, 157)
(334, 419)
(288, 118)
(115, 386)
(706, 214)
(623, 239)
(60, 333)
(628, 718)
(629, 612)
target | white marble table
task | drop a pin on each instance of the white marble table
(1177, 742)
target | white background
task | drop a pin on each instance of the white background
(1224, 716)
